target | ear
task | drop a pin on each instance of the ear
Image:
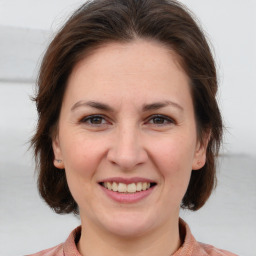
(200, 153)
(58, 158)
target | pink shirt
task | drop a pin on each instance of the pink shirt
(190, 246)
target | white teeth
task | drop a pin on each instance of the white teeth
(139, 186)
(122, 188)
(114, 186)
(144, 185)
(126, 188)
(131, 188)
(108, 185)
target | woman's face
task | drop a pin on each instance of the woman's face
(127, 138)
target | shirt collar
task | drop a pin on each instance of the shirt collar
(189, 245)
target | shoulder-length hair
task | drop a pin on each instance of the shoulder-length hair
(98, 22)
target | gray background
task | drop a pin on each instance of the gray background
(227, 220)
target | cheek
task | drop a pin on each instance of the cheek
(177, 152)
(81, 158)
(174, 159)
(173, 163)
(80, 154)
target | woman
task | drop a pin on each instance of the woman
(128, 128)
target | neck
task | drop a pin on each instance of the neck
(163, 241)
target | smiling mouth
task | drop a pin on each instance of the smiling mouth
(127, 188)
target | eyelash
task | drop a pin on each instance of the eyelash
(89, 120)
(167, 120)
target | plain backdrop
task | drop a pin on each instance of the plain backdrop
(228, 220)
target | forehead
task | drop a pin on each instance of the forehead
(129, 56)
(142, 67)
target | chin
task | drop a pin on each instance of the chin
(128, 225)
(128, 231)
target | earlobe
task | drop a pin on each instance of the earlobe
(199, 162)
(58, 159)
(200, 154)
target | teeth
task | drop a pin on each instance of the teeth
(114, 186)
(108, 185)
(131, 188)
(127, 188)
(122, 188)
(144, 185)
(139, 186)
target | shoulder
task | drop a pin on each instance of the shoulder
(54, 251)
(66, 248)
(213, 251)
(191, 247)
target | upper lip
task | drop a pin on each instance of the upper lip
(127, 180)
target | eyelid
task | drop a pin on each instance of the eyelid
(85, 119)
(167, 118)
(106, 121)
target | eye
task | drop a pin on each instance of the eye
(94, 120)
(160, 120)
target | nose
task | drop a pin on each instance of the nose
(126, 150)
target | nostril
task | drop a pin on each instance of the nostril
(126, 154)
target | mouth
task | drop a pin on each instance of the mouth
(129, 188)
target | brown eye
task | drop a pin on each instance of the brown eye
(160, 120)
(94, 120)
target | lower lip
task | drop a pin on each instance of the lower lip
(127, 197)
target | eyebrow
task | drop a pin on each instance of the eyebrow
(93, 104)
(158, 105)
(145, 107)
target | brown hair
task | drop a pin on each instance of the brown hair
(96, 23)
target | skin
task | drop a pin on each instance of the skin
(128, 141)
